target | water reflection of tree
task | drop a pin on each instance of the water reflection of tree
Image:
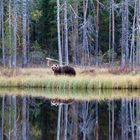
(75, 120)
(78, 120)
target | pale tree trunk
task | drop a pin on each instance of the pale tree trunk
(138, 34)
(127, 31)
(28, 31)
(14, 62)
(3, 34)
(24, 120)
(125, 51)
(74, 41)
(2, 126)
(113, 32)
(24, 24)
(10, 36)
(0, 19)
(65, 121)
(58, 32)
(66, 33)
(85, 39)
(59, 121)
(110, 30)
(15, 117)
(97, 35)
(132, 47)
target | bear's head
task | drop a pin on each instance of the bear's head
(55, 67)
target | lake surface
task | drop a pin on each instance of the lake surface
(39, 118)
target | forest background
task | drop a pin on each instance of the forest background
(79, 32)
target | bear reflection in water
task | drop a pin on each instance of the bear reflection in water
(63, 70)
(57, 102)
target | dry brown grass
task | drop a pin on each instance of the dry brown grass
(88, 78)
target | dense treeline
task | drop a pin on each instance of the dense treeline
(84, 32)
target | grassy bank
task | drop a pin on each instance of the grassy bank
(85, 79)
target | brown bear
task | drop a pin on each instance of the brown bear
(63, 70)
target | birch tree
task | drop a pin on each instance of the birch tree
(85, 44)
(58, 32)
(74, 34)
(113, 31)
(14, 62)
(66, 33)
(138, 34)
(125, 31)
(10, 35)
(24, 24)
(97, 35)
(3, 34)
(132, 46)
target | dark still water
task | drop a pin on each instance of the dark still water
(30, 118)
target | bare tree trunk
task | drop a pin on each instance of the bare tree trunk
(66, 33)
(110, 30)
(125, 51)
(14, 63)
(58, 32)
(132, 56)
(28, 31)
(85, 38)
(3, 35)
(138, 34)
(10, 36)
(113, 32)
(24, 24)
(74, 41)
(97, 35)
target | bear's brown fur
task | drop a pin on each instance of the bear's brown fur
(63, 70)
